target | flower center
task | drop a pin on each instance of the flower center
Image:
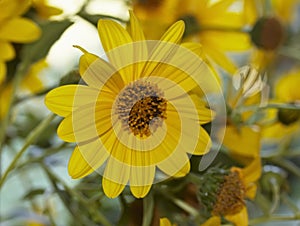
(267, 33)
(141, 108)
(230, 198)
(288, 116)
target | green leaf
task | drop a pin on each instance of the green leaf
(51, 32)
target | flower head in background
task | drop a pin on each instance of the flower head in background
(30, 83)
(270, 29)
(14, 29)
(214, 24)
(137, 113)
(237, 185)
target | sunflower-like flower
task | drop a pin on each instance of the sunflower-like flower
(137, 112)
(238, 184)
(14, 29)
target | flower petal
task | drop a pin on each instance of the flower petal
(141, 178)
(112, 35)
(134, 28)
(252, 172)
(31, 81)
(203, 145)
(226, 41)
(219, 58)
(174, 33)
(7, 51)
(86, 158)
(2, 72)
(111, 188)
(13, 8)
(116, 174)
(177, 164)
(248, 146)
(20, 30)
(240, 218)
(62, 99)
(86, 122)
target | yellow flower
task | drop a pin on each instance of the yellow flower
(237, 186)
(44, 10)
(31, 82)
(14, 29)
(136, 112)
(269, 29)
(219, 29)
(286, 121)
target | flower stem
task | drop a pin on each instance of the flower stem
(21, 70)
(98, 216)
(267, 218)
(29, 140)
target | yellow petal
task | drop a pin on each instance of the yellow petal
(174, 33)
(240, 219)
(203, 144)
(164, 222)
(112, 35)
(140, 49)
(251, 191)
(287, 86)
(86, 122)
(5, 94)
(98, 73)
(20, 30)
(2, 72)
(141, 178)
(248, 145)
(111, 188)
(78, 167)
(226, 41)
(31, 81)
(13, 8)
(252, 171)
(7, 51)
(116, 174)
(219, 58)
(134, 28)
(61, 100)
(177, 164)
(250, 11)
(212, 221)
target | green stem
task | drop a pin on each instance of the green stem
(271, 105)
(286, 164)
(22, 69)
(29, 140)
(95, 212)
(264, 219)
(287, 200)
